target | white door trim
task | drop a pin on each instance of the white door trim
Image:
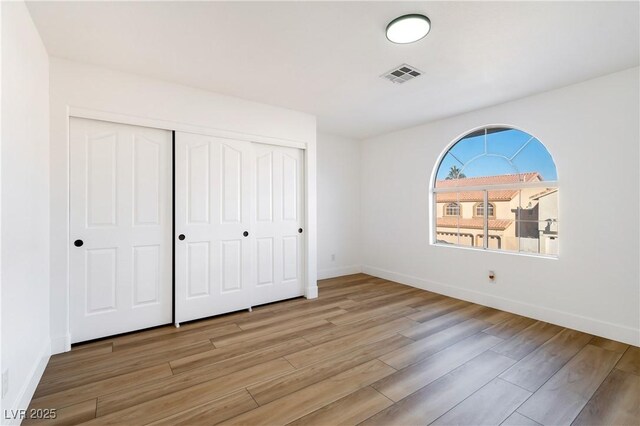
(311, 287)
(179, 127)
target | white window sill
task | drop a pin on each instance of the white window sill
(512, 253)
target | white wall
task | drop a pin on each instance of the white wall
(1, 367)
(131, 97)
(338, 206)
(25, 205)
(592, 130)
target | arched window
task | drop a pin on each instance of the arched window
(512, 173)
(452, 209)
(478, 210)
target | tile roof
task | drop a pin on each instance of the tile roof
(489, 180)
(499, 195)
(475, 223)
(547, 191)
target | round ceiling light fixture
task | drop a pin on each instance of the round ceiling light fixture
(408, 28)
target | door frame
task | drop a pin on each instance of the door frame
(309, 154)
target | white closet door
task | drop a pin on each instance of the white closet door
(213, 204)
(278, 220)
(120, 222)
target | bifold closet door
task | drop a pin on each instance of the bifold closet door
(120, 225)
(213, 203)
(278, 223)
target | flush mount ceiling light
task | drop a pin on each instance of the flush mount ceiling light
(408, 28)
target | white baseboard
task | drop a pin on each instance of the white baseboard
(338, 272)
(60, 344)
(29, 387)
(593, 326)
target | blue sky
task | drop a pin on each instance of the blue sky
(534, 157)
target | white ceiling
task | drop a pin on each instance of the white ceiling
(325, 58)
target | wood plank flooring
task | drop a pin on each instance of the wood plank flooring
(367, 351)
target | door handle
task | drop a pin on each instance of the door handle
(245, 234)
(299, 230)
(78, 243)
(181, 237)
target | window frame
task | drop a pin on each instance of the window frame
(433, 191)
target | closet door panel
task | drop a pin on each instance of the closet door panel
(277, 219)
(213, 199)
(264, 261)
(197, 184)
(120, 228)
(147, 167)
(146, 275)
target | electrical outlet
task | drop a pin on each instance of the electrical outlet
(5, 382)
(333, 257)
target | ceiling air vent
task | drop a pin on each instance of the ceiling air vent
(402, 74)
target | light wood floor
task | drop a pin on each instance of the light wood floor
(368, 351)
